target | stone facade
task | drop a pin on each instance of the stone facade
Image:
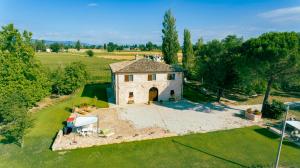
(144, 80)
(140, 86)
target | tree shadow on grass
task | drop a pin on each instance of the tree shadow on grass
(207, 153)
(265, 132)
(97, 90)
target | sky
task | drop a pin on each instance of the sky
(133, 21)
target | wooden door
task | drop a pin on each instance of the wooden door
(153, 94)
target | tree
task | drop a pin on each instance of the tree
(217, 64)
(187, 52)
(69, 79)
(55, 47)
(149, 46)
(78, 45)
(90, 53)
(273, 55)
(39, 45)
(111, 47)
(14, 118)
(23, 82)
(170, 44)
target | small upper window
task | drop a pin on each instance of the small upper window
(128, 78)
(130, 94)
(151, 77)
(171, 76)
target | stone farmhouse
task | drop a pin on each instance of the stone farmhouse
(144, 80)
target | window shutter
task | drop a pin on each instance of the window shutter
(149, 77)
(126, 78)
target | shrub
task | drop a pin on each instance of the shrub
(274, 110)
(90, 53)
(249, 110)
(256, 112)
(66, 81)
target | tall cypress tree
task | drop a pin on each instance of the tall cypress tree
(78, 45)
(170, 44)
(187, 51)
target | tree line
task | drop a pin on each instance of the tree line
(250, 66)
(41, 46)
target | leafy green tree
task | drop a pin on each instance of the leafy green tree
(69, 79)
(23, 82)
(187, 52)
(14, 118)
(170, 44)
(198, 46)
(111, 47)
(39, 45)
(90, 53)
(55, 47)
(78, 45)
(217, 64)
(149, 46)
(273, 55)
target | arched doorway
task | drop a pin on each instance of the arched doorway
(153, 94)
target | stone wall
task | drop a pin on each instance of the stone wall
(140, 87)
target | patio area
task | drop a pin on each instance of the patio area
(141, 121)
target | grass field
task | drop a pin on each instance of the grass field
(97, 67)
(244, 147)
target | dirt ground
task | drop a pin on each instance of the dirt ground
(124, 131)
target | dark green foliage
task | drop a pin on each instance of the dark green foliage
(14, 118)
(111, 47)
(90, 53)
(273, 56)
(187, 53)
(39, 45)
(274, 110)
(78, 45)
(149, 46)
(170, 44)
(55, 47)
(66, 81)
(22, 82)
(217, 64)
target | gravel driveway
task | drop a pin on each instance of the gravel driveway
(184, 116)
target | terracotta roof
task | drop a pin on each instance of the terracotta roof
(143, 65)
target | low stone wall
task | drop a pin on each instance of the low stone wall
(57, 140)
(66, 142)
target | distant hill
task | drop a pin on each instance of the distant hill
(48, 42)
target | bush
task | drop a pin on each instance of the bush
(67, 80)
(249, 110)
(90, 53)
(274, 110)
(256, 112)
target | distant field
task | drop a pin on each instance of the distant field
(98, 68)
(128, 55)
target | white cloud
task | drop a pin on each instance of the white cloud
(92, 5)
(283, 15)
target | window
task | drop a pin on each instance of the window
(128, 78)
(151, 77)
(171, 76)
(130, 94)
(172, 93)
